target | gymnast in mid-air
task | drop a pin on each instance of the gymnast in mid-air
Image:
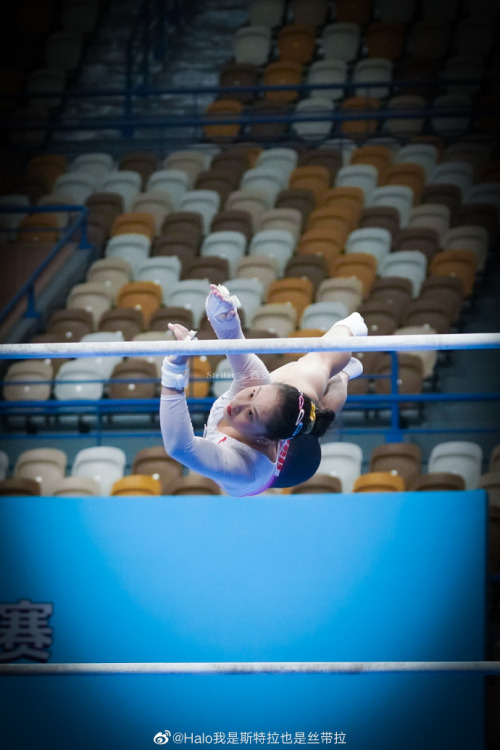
(263, 431)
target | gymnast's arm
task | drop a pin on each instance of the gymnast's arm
(218, 462)
(248, 369)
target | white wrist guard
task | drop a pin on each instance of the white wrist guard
(174, 376)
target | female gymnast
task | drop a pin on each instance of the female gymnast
(251, 429)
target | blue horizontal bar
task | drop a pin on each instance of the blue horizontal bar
(182, 121)
(151, 405)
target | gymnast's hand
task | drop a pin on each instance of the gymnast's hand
(221, 305)
(181, 333)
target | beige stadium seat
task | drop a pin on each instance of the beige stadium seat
(45, 465)
(348, 291)
(278, 317)
(289, 219)
(432, 216)
(190, 162)
(253, 203)
(93, 297)
(154, 203)
(260, 267)
(76, 487)
(27, 381)
(111, 273)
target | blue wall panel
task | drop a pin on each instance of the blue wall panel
(398, 577)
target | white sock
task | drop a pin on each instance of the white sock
(355, 323)
(353, 368)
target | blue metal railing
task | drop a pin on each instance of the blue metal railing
(108, 407)
(132, 118)
(79, 223)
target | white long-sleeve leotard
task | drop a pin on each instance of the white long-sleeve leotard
(236, 467)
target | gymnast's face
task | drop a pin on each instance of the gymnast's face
(250, 410)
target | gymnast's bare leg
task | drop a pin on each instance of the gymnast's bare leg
(323, 376)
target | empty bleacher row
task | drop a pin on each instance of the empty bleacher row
(410, 58)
